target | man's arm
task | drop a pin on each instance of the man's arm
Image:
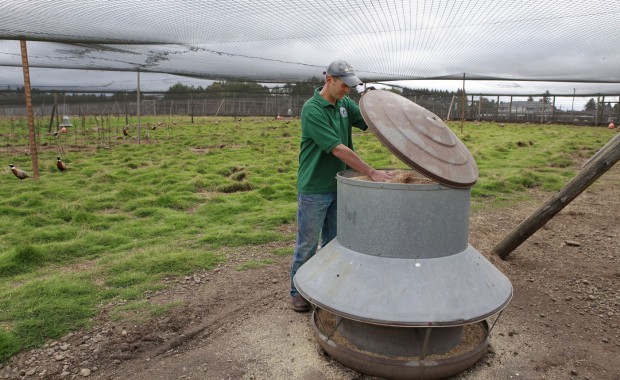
(354, 161)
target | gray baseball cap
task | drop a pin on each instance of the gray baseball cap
(344, 71)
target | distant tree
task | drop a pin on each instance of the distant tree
(530, 99)
(460, 93)
(228, 88)
(429, 98)
(590, 105)
(180, 88)
(546, 97)
(488, 103)
(303, 88)
(179, 91)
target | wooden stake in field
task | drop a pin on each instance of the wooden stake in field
(138, 106)
(463, 104)
(602, 161)
(33, 143)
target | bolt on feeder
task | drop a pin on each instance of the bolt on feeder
(400, 293)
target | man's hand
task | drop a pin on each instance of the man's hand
(381, 175)
(354, 161)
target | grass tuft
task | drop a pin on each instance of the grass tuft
(253, 264)
(23, 259)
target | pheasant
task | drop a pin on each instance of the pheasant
(18, 172)
(60, 165)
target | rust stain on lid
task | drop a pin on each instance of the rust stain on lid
(419, 138)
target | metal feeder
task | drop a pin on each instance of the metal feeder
(66, 122)
(407, 293)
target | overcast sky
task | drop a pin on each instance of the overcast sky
(562, 46)
(286, 41)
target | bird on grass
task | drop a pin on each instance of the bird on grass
(126, 131)
(60, 165)
(18, 172)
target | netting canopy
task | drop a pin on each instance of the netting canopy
(293, 40)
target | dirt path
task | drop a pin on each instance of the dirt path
(563, 322)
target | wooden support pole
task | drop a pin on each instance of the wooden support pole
(572, 108)
(450, 108)
(126, 111)
(607, 157)
(463, 104)
(31, 135)
(138, 107)
(57, 112)
(542, 114)
(49, 129)
(596, 110)
(497, 109)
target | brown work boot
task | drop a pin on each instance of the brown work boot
(300, 304)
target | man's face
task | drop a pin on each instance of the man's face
(337, 88)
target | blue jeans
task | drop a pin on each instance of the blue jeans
(316, 219)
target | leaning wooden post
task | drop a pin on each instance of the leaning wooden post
(606, 159)
(31, 135)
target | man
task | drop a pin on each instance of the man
(326, 148)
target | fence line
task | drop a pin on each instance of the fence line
(479, 107)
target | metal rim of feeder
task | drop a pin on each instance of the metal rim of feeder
(418, 269)
(401, 367)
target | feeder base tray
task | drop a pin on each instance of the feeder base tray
(471, 348)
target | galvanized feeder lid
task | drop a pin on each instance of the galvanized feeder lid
(419, 138)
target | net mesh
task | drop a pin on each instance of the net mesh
(293, 40)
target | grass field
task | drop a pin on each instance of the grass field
(124, 216)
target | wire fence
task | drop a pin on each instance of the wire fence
(64, 124)
(517, 109)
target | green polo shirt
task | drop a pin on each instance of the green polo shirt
(323, 127)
